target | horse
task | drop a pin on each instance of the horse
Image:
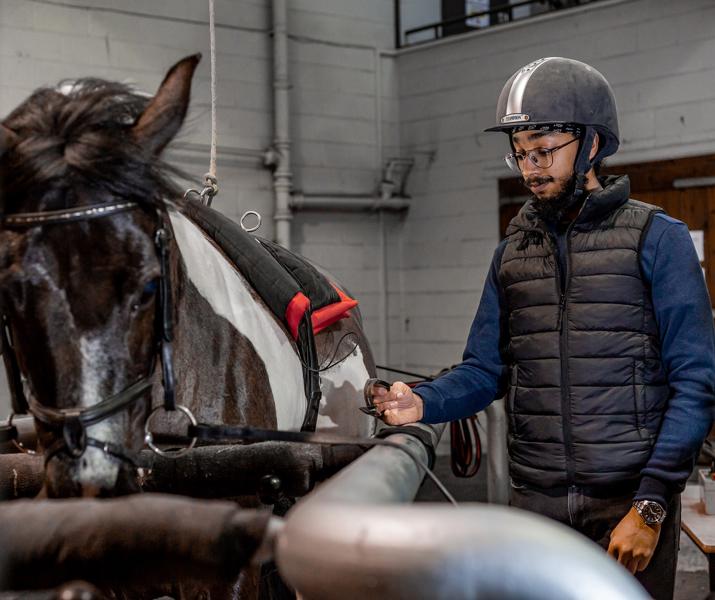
(117, 304)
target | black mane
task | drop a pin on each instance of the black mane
(78, 136)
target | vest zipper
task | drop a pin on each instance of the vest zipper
(563, 347)
(562, 328)
(562, 308)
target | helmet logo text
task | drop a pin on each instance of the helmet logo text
(515, 118)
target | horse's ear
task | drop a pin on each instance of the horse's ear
(8, 139)
(162, 118)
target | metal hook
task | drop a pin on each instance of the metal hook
(207, 194)
(247, 214)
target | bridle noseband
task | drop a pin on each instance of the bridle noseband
(73, 422)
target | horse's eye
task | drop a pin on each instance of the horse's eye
(147, 294)
(149, 290)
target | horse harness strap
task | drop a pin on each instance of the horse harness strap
(72, 422)
(70, 215)
(90, 415)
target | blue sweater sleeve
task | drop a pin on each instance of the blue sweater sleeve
(685, 324)
(481, 376)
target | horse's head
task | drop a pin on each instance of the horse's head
(80, 191)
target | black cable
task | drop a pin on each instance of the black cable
(337, 362)
(337, 347)
(392, 370)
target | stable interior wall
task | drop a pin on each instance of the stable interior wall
(658, 55)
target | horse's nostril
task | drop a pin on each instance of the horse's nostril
(85, 464)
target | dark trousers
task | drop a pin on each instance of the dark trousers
(596, 517)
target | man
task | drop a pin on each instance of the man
(596, 322)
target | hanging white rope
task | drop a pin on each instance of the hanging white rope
(210, 180)
(212, 31)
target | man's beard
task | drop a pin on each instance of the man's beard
(552, 208)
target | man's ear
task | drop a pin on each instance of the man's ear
(594, 146)
(163, 117)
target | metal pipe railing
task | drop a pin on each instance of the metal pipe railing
(350, 540)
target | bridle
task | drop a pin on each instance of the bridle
(72, 423)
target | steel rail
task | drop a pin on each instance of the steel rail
(352, 539)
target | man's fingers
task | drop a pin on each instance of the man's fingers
(391, 417)
(627, 560)
(386, 405)
(396, 416)
(642, 563)
(613, 550)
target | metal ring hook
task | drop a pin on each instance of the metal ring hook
(247, 214)
(149, 438)
(207, 194)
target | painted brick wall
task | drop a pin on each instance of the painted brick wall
(657, 54)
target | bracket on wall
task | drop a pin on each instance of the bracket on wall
(394, 177)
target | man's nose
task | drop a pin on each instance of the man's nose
(528, 168)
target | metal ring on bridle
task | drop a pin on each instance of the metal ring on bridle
(18, 444)
(149, 438)
(248, 213)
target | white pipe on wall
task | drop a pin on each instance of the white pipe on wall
(282, 176)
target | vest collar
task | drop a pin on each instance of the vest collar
(616, 191)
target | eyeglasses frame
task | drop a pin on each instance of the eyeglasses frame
(525, 155)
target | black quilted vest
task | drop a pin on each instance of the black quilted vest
(587, 389)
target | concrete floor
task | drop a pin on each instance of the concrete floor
(692, 580)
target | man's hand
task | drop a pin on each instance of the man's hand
(399, 406)
(633, 542)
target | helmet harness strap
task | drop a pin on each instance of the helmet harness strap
(583, 163)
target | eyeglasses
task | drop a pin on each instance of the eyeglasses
(541, 158)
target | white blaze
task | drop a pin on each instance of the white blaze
(95, 467)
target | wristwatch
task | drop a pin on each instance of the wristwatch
(650, 511)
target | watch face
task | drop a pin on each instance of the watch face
(652, 512)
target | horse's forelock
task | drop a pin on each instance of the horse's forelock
(79, 133)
